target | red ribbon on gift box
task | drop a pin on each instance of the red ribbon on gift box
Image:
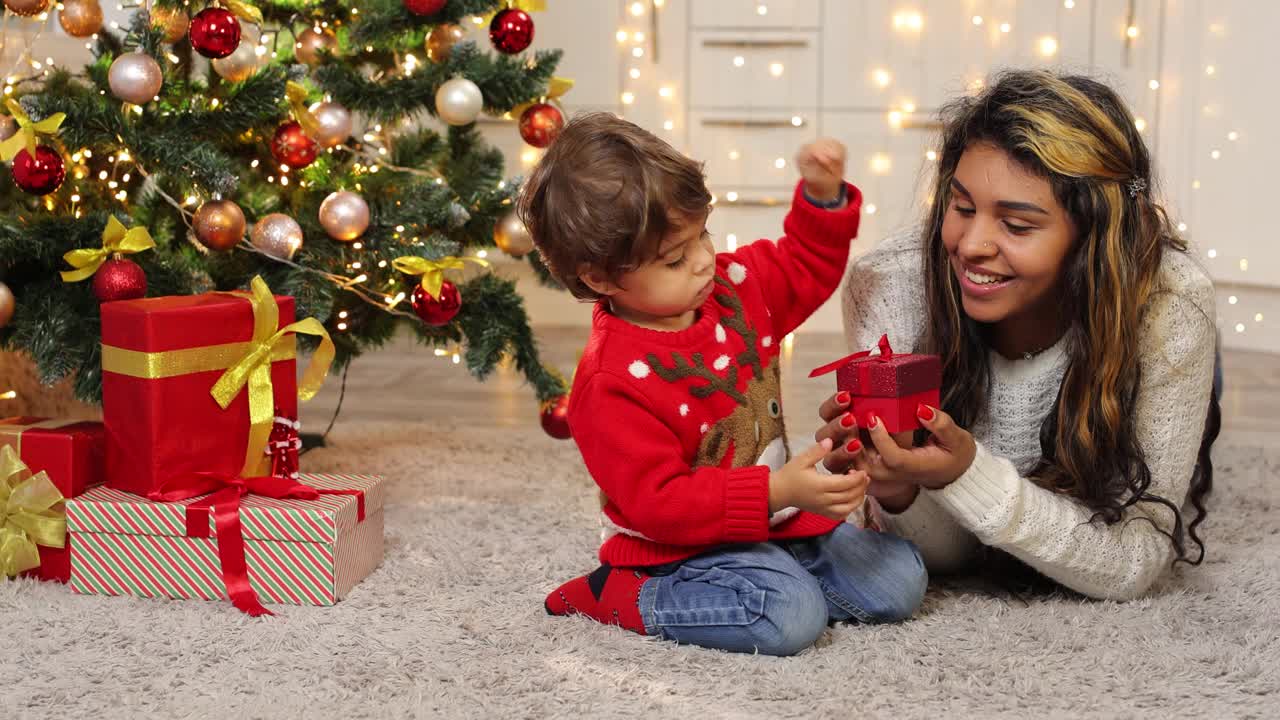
(886, 352)
(224, 504)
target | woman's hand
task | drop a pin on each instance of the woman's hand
(893, 494)
(946, 456)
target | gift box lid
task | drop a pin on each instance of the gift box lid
(887, 374)
(183, 321)
(104, 510)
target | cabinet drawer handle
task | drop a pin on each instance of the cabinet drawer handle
(751, 124)
(755, 44)
(750, 202)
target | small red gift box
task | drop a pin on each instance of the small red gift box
(888, 385)
(70, 453)
(161, 357)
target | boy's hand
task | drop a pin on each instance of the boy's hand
(821, 165)
(799, 484)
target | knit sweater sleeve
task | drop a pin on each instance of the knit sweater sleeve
(882, 296)
(636, 460)
(1053, 532)
(801, 270)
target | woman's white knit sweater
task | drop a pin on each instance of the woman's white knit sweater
(992, 503)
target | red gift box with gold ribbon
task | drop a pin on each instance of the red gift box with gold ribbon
(70, 453)
(889, 385)
(191, 384)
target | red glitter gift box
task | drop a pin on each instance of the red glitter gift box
(890, 386)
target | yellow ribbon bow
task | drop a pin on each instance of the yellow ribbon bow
(432, 271)
(254, 370)
(25, 138)
(529, 6)
(556, 87)
(29, 515)
(244, 11)
(115, 239)
(297, 96)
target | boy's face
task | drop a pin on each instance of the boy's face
(665, 293)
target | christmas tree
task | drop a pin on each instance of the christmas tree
(298, 153)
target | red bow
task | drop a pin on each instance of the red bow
(224, 502)
(886, 352)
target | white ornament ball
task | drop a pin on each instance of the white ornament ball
(333, 124)
(458, 101)
(135, 77)
(277, 235)
(344, 215)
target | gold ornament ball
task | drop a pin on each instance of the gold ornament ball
(219, 224)
(344, 215)
(333, 124)
(512, 237)
(7, 304)
(26, 8)
(311, 41)
(80, 18)
(441, 39)
(277, 235)
(172, 22)
(239, 65)
(8, 126)
(135, 77)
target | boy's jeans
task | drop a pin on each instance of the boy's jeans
(776, 598)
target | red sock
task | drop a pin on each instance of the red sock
(609, 595)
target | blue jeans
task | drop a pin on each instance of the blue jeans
(776, 598)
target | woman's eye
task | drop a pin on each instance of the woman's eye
(676, 263)
(965, 211)
(1018, 229)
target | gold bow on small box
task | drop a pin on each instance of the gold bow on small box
(31, 514)
(115, 241)
(25, 138)
(432, 271)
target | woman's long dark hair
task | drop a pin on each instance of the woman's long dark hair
(1076, 133)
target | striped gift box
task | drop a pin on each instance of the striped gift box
(299, 552)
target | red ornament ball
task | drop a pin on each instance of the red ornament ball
(119, 279)
(435, 311)
(215, 32)
(540, 124)
(424, 7)
(39, 175)
(555, 417)
(511, 31)
(292, 146)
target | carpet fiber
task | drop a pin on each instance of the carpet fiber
(480, 527)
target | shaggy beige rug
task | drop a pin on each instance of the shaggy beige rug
(481, 526)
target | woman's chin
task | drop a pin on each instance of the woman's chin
(983, 311)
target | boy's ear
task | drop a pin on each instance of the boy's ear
(597, 281)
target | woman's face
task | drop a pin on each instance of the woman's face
(1007, 238)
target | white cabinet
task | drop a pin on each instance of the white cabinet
(753, 70)
(755, 14)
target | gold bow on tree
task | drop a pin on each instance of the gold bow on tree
(253, 370)
(31, 514)
(244, 11)
(25, 138)
(529, 6)
(556, 87)
(297, 96)
(115, 241)
(432, 271)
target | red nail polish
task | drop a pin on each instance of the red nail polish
(924, 412)
(872, 420)
(842, 398)
(853, 446)
(846, 420)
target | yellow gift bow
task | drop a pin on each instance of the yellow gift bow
(28, 516)
(556, 87)
(432, 271)
(115, 240)
(297, 96)
(244, 11)
(253, 370)
(25, 138)
(529, 6)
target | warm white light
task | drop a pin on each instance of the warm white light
(1239, 327)
(731, 196)
(1182, 227)
(796, 121)
(665, 92)
(1131, 31)
(1215, 154)
(529, 156)
(1209, 70)
(1154, 84)
(1140, 124)
(1195, 184)
(977, 19)
(628, 98)
(731, 242)
(734, 154)
(1212, 253)
(1257, 318)
(908, 106)
(1048, 46)
(895, 119)
(1068, 4)
(931, 155)
(668, 125)
(870, 208)
(775, 69)
(621, 35)
(637, 36)
(739, 61)
(1233, 136)
(1005, 27)
(780, 163)
(637, 8)
(881, 164)
(762, 9)
(482, 254)
(913, 21)
(635, 73)
(1233, 300)
(637, 52)
(881, 77)
(1244, 264)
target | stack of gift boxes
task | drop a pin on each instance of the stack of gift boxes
(189, 487)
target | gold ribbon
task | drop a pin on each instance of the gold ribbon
(246, 365)
(556, 87)
(244, 11)
(115, 240)
(28, 515)
(297, 96)
(529, 6)
(25, 138)
(432, 271)
(11, 435)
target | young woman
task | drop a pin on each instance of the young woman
(1077, 339)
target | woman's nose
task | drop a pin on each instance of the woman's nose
(976, 242)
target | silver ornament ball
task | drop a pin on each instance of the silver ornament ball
(458, 101)
(511, 236)
(135, 77)
(333, 124)
(277, 235)
(241, 64)
(344, 215)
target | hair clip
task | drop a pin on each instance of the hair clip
(1136, 186)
